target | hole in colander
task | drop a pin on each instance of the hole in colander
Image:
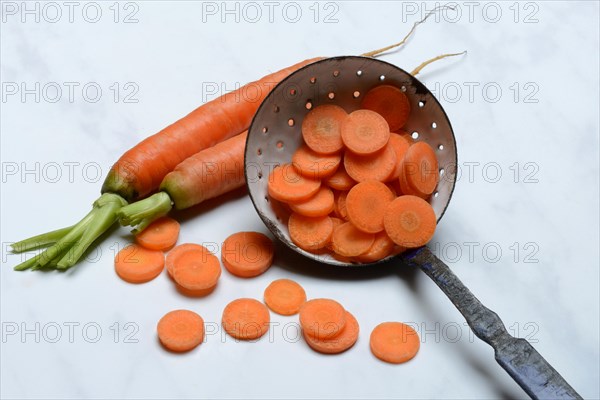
(414, 135)
(267, 199)
(259, 152)
(403, 88)
(260, 175)
(313, 79)
(433, 125)
(336, 73)
(421, 104)
(382, 77)
(356, 94)
(293, 92)
(276, 109)
(441, 147)
(331, 95)
(291, 122)
(359, 73)
(265, 130)
(442, 171)
(308, 104)
(279, 144)
(436, 194)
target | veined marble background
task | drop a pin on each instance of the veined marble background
(84, 81)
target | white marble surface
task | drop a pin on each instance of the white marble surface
(172, 56)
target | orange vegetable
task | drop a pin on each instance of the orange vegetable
(246, 319)
(247, 254)
(321, 129)
(378, 166)
(321, 204)
(366, 204)
(284, 297)
(365, 132)
(196, 270)
(394, 342)
(389, 102)
(286, 184)
(314, 165)
(341, 180)
(400, 146)
(180, 330)
(342, 342)
(178, 250)
(421, 168)
(382, 247)
(310, 233)
(135, 264)
(409, 221)
(161, 234)
(350, 242)
(322, 318)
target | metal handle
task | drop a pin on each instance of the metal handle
(517, 356)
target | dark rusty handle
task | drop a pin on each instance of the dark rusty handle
(517, 356)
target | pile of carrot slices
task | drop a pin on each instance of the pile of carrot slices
(358, 186)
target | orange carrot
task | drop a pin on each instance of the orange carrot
(161, 234)
(366, 204)
(365, 132)
(341, 210)
(336, 222)
(284, 297)
(389, 102)
(322, 318)
(350, 242)
(378, 166)
(285, 184)
(340, 180)
(180, 330)
(400, 146)
(314, 165)
(321, 204)
(394, 342)
(421, 168)
(382, 247)
(247, 254)
(321, 129)
(135, 264)
(196, 270)
(409, 221)
(181, 249)
(246, 319)
(310, 233)
(342, 342)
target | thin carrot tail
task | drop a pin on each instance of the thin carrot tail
(377, 52)
(418, 69)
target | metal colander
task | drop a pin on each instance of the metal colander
(275, 133)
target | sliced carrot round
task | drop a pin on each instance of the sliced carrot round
(400, 146)
(340, 205)
(321, 128)
(409, 221)
(247, 254)
(346, 339)
(390, 102)
(322, 318)
(310, 233)
(365, 132)
(394, 342)
(421, 168)
(336, 222)
(366, 204)
(341, 180)
(405, 187)
(374, 167)
(246, 319)
(286, 184)
(382, 247)
(177, 251)
(196, 270)
(161, 234)
(284, 296)
(348, 241)
(314, 165)
(135, 264)
(181, 330)
(319, 205)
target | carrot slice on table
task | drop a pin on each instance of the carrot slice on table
(322, 318)
(342, 342)
(341, 180)
(366, 204)
(394, 342)
(321, 128)
(409, 221)
(286, 184)
(284, 297)
(365, 132)
(310, 233)
(176, 251)
(246, 319)
(319, 205)
(374, 167)
(382, 247)
(390, 102)
(314, 165)
(247, 254)
(197, 270)
(348, 241)
(180, 330)
(421, 168)
(161, 234)
(400, 146)
(135, 264)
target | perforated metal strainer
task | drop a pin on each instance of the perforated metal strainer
(275, 134)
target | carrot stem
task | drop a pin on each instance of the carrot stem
(141, 213)
(40, 240)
